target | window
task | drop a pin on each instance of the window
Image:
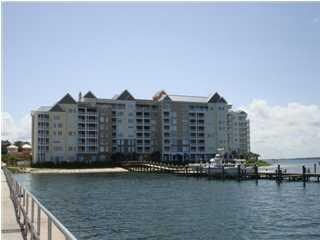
(57, 148)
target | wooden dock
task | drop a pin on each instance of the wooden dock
(222, 174)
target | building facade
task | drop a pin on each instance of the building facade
(174, 127)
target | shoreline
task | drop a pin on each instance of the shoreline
(70, 171)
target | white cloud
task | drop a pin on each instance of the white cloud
(15, 130)
(284, 131)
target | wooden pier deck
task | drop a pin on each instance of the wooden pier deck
(185, 170)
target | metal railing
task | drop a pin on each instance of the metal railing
(35, 220)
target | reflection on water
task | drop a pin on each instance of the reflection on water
(160, 206)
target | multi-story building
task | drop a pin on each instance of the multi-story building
(238, 132)
(177, 127)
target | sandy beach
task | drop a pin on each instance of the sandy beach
(66, 171)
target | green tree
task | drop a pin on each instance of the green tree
(4, 145)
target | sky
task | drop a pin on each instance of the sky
(263, 58)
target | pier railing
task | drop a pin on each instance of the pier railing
(35, 220)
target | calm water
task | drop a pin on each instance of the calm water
(159, 206)
(295, 166)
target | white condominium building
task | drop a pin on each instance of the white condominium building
(172, 127)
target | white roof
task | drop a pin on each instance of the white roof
(26, 146)
(12, 146)
(183, 98)
(44, 108)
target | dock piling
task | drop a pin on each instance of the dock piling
(256, 174)
(222, 173)
(303, 173)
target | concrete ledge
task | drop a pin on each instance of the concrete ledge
(10, 229)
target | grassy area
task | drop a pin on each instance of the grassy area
(259, 163)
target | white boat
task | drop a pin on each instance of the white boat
(218, 165)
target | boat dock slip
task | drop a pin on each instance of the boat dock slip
(10, 229)
(32, 219)
(221, 173)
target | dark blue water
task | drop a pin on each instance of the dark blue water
(160, 206)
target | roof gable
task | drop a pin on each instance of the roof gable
(222, 100)
(89, 95)
(56, 108)
(165, 98)
(158, 95)
(125, 95)
(214, 98)
(67, 99)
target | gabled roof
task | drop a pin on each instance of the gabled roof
(158, 95)
(67, 99)
(89, 95)
(56, 108)
(214, 98)
(125, 95)
(222, 100)
(165, 97)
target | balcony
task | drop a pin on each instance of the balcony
(92, 136)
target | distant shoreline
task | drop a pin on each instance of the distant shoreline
(280, 159)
